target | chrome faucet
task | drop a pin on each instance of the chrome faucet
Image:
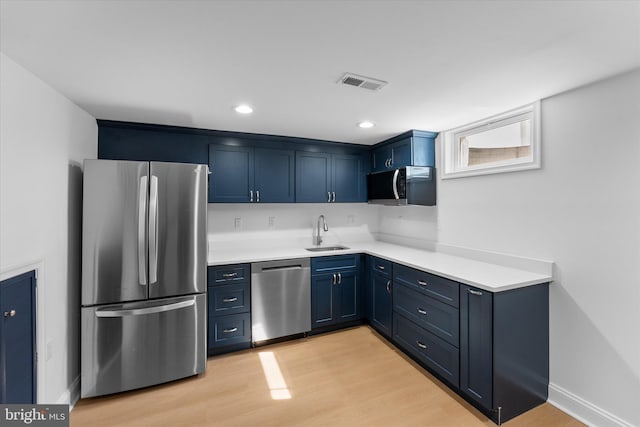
(317, 239)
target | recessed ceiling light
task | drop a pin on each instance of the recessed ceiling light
(243, 109)
(366, 124)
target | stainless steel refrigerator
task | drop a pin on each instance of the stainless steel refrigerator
(143, 274)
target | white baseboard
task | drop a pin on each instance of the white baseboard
(72, 395)
(582, 410)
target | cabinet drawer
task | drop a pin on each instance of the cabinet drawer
(381, 266)
(224, 274)
(440, 356)
(229, 330)
(229, 299)
(437, 287)
(329, 264)
(436, 317)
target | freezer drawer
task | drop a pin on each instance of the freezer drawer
(134, 345)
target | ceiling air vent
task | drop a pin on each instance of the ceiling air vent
(361, 81)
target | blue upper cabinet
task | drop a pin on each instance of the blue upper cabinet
(313, 177)
(330, 178)
(413, 148)
(232, 173)
(250, 175)
(274, 176)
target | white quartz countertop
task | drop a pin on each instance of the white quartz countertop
(484, 275)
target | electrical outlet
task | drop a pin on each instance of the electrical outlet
(351, 219)
(272, 221)
(237, 223)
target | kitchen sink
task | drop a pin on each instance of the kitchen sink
(327, 248)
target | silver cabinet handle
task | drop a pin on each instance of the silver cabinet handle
(472, 292)
(421, 311)
(230, 299)
(388, 286)
(333, 197)
(251, 195)
(153, 230)
(229, 275)
(142, 226)
(339, 278)
(228, 331)
(9, 313)
(419, 344)
(258, 196)
(334, 279)
(422, 283)
(328, 197)
(380, 267)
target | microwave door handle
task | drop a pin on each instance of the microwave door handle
(395, 184)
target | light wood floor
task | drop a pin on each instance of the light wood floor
(347, 378)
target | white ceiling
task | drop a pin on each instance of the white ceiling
(187, 63)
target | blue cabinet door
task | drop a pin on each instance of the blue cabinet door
(348, 178)
(349, 296)
(274, 176)
(381, 303)
(17, 339)
(476, 345)
(322, 304)
(313, 176)
(401, 153)
(231, 179)
(381, 158)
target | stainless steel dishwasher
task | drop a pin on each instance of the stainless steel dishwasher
(280, 298)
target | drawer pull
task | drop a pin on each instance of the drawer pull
(380, 267)
(419, 344)
(421, 311)
(9, 313)
(230, 299)
(472, 292)
(422, 283)
(229, 275)
(229, 331)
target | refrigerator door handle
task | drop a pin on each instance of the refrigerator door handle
(142, 225)
(145, 311)
(153, 230)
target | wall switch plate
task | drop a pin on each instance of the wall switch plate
(237, 223)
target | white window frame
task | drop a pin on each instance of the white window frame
(451, 153)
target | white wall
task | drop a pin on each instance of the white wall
(43, 141)
(581, 210)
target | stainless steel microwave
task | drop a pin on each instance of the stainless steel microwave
(410, 185)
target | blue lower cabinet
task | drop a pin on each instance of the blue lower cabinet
(435, 353)
(504, 349)
(381, 303)
(17, 339)
(229, 308)
(229, 330)
(335, 290)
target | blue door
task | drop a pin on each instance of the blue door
(322, 300)
(401, 153)
(313, 176)
(231, 178)
(476, 345)
(381, 305)
(349, 179)
(17, 339)
(274, 176)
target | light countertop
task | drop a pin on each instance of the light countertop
(483, 275)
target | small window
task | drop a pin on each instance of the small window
(504, 143)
